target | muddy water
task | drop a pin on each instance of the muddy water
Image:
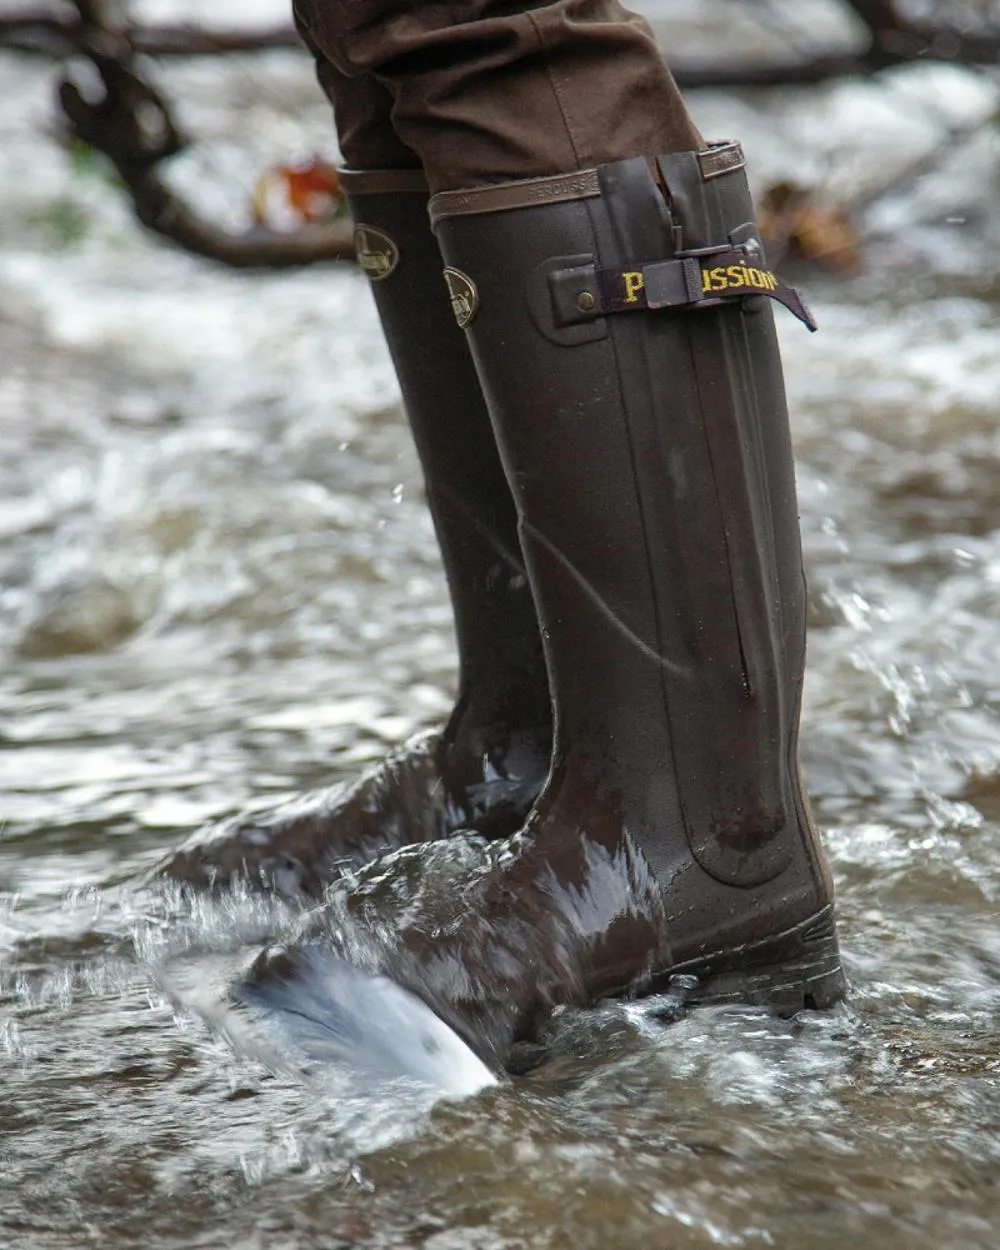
(218, 585)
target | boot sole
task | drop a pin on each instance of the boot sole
(789, 972)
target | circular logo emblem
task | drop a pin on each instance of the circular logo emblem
(464, 296)
(377, 255)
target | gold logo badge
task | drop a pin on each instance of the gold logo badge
(377, 255)
(464, 296)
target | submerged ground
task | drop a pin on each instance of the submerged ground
(218, 585)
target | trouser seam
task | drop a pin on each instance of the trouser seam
(556, 93)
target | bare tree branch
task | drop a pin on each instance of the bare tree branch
(794, 72)
(133, 127)
(893, 39)
(51, 36)
(257, 248)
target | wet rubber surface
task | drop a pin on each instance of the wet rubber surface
(218, 585)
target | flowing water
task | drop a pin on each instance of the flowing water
(218, 585)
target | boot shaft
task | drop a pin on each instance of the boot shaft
(649, 453)
(501, 666)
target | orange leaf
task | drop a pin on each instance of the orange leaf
(289, 195)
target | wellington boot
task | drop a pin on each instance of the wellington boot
(627, 351)
(486, 767)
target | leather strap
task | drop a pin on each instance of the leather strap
(713, 277)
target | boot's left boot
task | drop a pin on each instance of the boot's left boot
(485, 767)
(621, 323)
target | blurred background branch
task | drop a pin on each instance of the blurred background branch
(131, 123)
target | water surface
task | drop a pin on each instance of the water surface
(218, 585)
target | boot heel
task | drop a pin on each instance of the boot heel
(791, 971)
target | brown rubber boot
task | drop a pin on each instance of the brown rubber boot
(628, 356)
(486, 767)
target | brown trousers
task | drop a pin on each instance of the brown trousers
(486, 91)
